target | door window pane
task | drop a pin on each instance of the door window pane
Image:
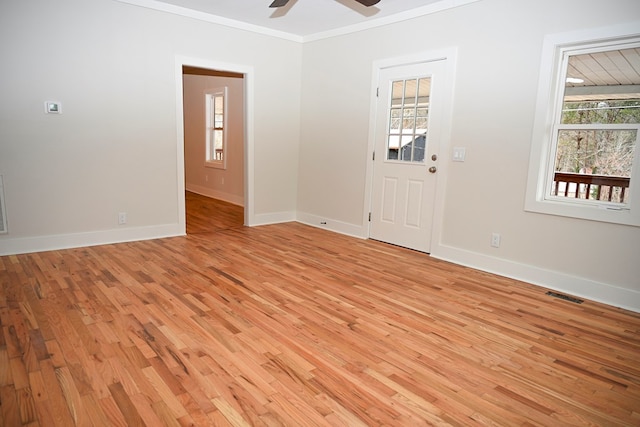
(408, 119)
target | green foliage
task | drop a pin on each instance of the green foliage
(598, 151)
(608, 112)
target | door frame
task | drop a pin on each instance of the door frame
(248, 79)
(449, 55)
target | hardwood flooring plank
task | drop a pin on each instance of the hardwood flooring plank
(9, 408)
(125, 405)
(38, 387)
(59, 401)
(166, 393)
(26, 405)
(231, 415)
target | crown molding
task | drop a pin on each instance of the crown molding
(373, 23)
(214, 19)
(391, 19)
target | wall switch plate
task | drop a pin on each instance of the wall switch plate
(52, 107)
(458, 154)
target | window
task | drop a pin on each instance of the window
(585, 157)
(408, 119)
(216, 121)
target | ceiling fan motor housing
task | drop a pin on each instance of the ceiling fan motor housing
(280, 3)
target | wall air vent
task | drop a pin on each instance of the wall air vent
(3, 212)
(565, 297)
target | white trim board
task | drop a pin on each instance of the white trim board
(207, 17)
(391, 19)
(545, 279)
(353, 230)
(373, 23)
(24, 245)
(580, 287)
(273, 218)
(548, 279)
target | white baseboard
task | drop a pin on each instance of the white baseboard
(49, 243)
(561, 282)
(332, 225)
(216, 194)
(272, 218)
(557, 281)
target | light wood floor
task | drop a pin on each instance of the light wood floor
(297, 326)
(205, 214)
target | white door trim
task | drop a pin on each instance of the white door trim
(247, 71)
(449, 55)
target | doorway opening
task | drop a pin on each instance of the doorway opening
(215, 191)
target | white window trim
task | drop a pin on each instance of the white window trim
(208, 162)
(549, 101)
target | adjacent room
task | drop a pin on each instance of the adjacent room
(319, 212)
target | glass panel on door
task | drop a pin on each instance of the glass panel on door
(408, 119)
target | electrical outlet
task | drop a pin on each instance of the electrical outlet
(495, 240)
(122, 218)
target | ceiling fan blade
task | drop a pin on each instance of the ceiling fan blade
(280, 3)
(368, 2)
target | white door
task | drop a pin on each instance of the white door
(408, 121)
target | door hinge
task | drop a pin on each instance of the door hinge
(377, 92)
(374, 156)
(369, 216)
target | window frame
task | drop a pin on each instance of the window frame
(210, 158)
(551, 85)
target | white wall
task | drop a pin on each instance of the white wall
(115, 147)
(498, 46)
(224, 184)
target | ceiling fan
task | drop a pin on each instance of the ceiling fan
(280, 3)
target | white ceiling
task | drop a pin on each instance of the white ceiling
(300, 20)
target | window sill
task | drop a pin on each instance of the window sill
(603, 212)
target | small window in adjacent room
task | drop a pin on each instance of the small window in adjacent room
(585, 160)
(216, 120)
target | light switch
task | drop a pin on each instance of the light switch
(458, 154)
(52, 107)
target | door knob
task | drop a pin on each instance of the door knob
(433, 169)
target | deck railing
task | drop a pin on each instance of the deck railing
(594, 187)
